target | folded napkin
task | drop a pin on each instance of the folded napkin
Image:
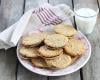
(37, 19)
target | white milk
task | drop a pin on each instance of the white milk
(85, 19)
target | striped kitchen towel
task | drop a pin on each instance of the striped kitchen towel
(38, 19)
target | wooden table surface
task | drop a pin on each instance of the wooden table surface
(11, 69)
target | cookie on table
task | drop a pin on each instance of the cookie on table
(64, 29)
(29, 52)
(33, 39)
(74, 47)
(56, 40)
(46, 52)
(59, 62)
(39, 62)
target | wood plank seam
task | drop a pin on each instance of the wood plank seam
(23, 73)
(10, 12)
(24, 6)
(81, 73)
(48, 1)
(17, 62)
(98, 5)
(47, 77)
(76, 75)
(81, 70)
(74, 16)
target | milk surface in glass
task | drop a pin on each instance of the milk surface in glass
(85, 19)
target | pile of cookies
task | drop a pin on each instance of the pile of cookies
(53, 50)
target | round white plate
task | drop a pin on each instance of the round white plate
(72, 68)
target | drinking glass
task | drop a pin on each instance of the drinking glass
(86, 17)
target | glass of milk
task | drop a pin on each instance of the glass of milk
(85, 17)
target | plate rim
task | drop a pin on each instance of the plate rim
(61, 74)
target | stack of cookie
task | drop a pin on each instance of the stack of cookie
(54, 50)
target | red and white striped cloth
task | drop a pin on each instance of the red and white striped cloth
(47, 16)
(41, 18)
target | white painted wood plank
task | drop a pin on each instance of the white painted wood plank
(34, 3)
(73, 76)
(91, 71)
(10, 12)
(54, 2)
(7, 64)
(24, 74)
